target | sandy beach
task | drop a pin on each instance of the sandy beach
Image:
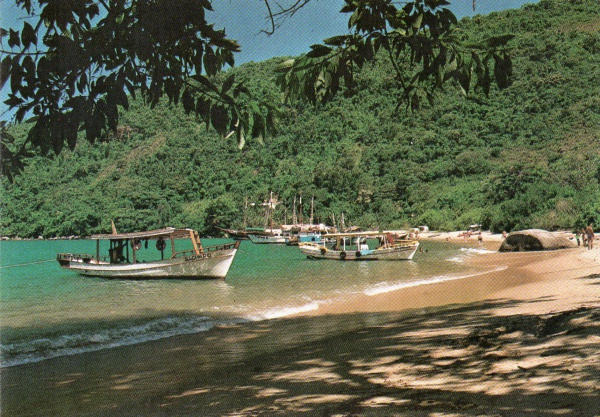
(520, 340)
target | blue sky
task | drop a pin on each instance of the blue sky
(244, 20)
(319, 19)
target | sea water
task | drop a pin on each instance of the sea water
(47, 311)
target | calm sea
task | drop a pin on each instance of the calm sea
(47, 311)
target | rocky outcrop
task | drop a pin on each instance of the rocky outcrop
(535, 240)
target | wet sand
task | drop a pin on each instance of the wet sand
(521, 340)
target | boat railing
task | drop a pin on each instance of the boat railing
(206, 250)
(402, 243)
(80, 257)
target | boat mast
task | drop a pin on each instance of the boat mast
(266, 204)
(294, 216)
(312, 207)
(245, 211)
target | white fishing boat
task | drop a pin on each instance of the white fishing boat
(123, 260)
(361, 246)
(277, 236)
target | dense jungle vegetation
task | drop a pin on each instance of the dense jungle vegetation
(524, 157)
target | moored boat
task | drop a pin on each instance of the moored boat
(277, 236)
(123, 257)
(302, 233)
(360, 246)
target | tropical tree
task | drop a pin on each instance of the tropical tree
(82, 60)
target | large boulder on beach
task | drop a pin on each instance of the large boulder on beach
(535, 240)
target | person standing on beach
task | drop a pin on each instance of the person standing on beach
(590, 237)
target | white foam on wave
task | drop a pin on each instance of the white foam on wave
(90, 341)
(386, 287)
(73, 344)
(476, 251)
(278, 312)
(456, 259)
(467, 252)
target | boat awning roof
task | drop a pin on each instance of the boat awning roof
(150, 234)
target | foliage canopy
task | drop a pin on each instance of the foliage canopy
(85, 59)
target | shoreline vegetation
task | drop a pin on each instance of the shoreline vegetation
(520, 339)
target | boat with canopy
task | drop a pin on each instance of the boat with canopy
(361, 246)
(125, 249)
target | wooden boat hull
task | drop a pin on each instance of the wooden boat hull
(208, 264)
(395, 253)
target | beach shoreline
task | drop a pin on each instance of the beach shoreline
(470, 346)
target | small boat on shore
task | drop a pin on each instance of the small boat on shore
(123, 260)
(360, 246)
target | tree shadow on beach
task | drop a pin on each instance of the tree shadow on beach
(461, 360)
(465, 360)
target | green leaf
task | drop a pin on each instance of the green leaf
(241, 137)
(28, 35)
(203, 109)
(417, 22)
(13, 39)
(187, 101)
(205, 82)
(5, 70)
(318, 51)
(502, 71)
(464, 80)
(219, 119)
(227, 84)
(498, 41)
(336, 40)
(287, 64)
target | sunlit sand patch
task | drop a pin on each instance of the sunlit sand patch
(302, 402)
(383, 401)
(396, 369)
(438, 332)
(511, 365)
(123, 379)
(447, 353)
(68, 381)
(122, 387)
(190, 392)
(379, 361)
(317, 362)
(270, 392)
(307, 375)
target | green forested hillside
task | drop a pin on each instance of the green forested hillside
(527, 156)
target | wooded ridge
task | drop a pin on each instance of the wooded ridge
(527, 156)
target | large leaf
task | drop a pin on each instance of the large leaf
(5, 70)
(318, 51)
(28, 35)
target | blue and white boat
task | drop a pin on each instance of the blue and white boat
(361, 246)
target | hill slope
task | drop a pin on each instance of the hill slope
(525, 157)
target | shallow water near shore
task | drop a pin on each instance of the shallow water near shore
(49, 312)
